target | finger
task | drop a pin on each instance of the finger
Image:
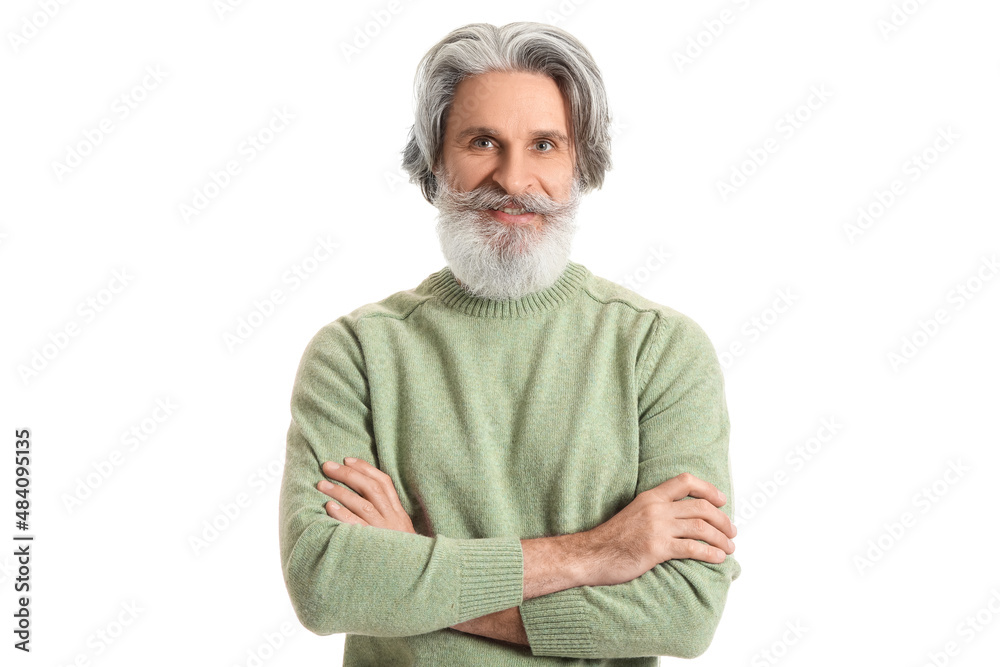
(343, 514)
(700, 551)
(369, 489)
(699, 508)
(697, 529)
(329, 488)
(365, 467)
(686, 484)
(388, 488)
(351, 502)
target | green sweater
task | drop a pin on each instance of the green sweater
(497, 421)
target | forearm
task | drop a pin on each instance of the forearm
(671, 610)
(505, 626)
(551, 564)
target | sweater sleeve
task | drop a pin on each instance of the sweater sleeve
(674, 608)
(366, 580)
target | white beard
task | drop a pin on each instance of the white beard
(499, 261)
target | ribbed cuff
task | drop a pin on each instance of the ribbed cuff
(491, 575)
(556, 624)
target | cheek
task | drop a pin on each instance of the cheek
(559, 189)
(466, 174)
(558, 179)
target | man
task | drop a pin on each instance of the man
(528, 462)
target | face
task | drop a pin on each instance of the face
(507, 145)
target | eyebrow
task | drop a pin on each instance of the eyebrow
(475, 131)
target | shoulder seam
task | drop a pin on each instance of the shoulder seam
(651, 352)
(622, 301)
(398, 317)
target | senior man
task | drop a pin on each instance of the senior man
(527, 462)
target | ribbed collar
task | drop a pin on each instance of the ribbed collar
(443, 285)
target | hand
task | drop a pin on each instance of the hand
(376, 502)
(658, 526)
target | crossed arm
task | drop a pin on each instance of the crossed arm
(550, 564)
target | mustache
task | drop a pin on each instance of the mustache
(489, 197)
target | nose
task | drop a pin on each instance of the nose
(513, 173)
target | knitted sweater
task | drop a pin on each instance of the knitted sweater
(499, 420)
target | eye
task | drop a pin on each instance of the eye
(543, 142)
(475, 142)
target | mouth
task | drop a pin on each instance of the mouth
(513, 216)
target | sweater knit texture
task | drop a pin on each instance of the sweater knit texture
(499, 420)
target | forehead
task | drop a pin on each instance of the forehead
(513, 102)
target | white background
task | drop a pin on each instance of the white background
(332, 172)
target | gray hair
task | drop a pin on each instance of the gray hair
(525, 46)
